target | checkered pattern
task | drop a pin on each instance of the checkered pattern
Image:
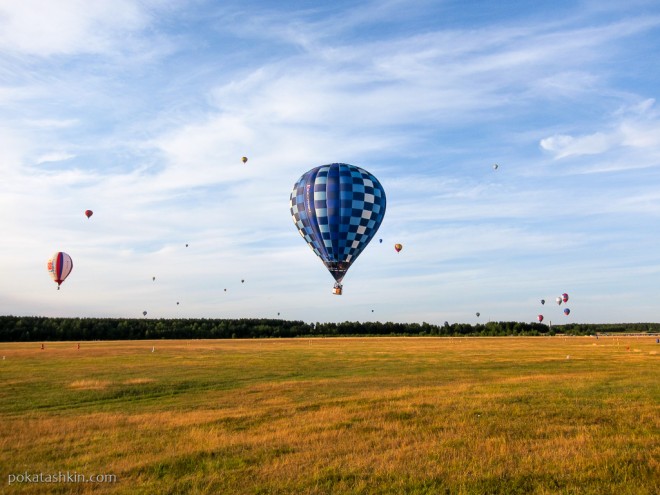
(337, 209)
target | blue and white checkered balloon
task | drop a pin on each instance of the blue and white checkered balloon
(337, 209)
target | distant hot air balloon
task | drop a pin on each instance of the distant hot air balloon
(478, 315)
(540, 318)
(59, 266)
(381, 241)
(398, 247)
(186, 245)
(144, 313)
(495, 166)
(244, 159)
(564, 297)
(177, 303)
(559, 299)
(88, 213)
(242, 281)
(337, 209)
(567, 311)
(542, 301)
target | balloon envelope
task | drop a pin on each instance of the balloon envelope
(88, 213)
(567, 311)
(559, 299)
(337, 209)
(542, 301)
(244, 159)
(540, 318)
(478, 315)
(398, 247)
(59, 266)
(564, 297)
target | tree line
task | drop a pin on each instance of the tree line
(37, 328)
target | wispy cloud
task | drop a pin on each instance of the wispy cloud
(67, 27)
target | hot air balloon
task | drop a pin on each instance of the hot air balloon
(398, 247)
(495, 166)
(144, 313)
(559, 299)
(567, 311)
(153, 279)
(542, 301)
(540, 318)
(478, 315)
(88, 213)
(244, 159)
(381, 241)
(59, 266)
(242, 281)
(337, 209)
(564, 297)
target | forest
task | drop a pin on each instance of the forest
(38, 328)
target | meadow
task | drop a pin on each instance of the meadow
(424, 415)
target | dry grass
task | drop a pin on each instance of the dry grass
(314, 416)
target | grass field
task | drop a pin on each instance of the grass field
(342, 415)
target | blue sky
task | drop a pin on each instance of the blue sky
(142, 110)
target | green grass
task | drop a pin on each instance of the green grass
(341, 415)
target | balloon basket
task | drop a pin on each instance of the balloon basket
(337, 289)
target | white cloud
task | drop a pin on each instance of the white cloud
(55, 156)
(45, 28)
(636, 126)
(562, 145)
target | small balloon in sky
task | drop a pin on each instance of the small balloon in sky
(244, 159)
(495, 166)
(564, 297)
(398, 247)
(144, 313)
(88, 213)
(540, 318)
(567, 311)
(542, 301)
(59, 266)
(478, 314)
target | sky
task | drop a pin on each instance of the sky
(141, 110)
